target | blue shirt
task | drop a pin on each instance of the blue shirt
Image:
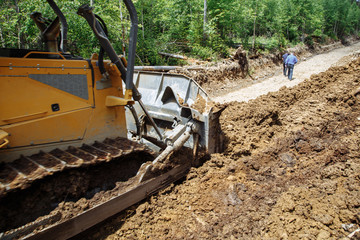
(285, 56)
(291, 59)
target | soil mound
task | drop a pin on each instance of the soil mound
(291, 170)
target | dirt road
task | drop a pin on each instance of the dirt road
(303, 70)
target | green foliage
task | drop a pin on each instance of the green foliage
(202, 52)
(178, 26)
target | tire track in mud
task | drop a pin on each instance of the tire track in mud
(303, 70)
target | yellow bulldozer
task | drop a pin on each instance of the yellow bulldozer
(71, 123)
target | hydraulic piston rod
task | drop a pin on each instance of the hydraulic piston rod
(179, 143)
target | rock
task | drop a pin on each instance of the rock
(216, 162)
(233, 198)
(230, 127)
(255, 166)
(288, 158)
(323, 235)
(326, 219)
(303, 147)
(241, 187)
(284, 236)
(231, 178)
(317, 145)
(231, 168)
(289, 204)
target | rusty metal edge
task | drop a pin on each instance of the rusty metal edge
(87, 219)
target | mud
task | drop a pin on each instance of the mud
(290, 170)
(200, 104)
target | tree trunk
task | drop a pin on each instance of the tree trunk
(142, 23)
(172, 55)
(2, 38)
(256, 9)
(287, 33)
(303, 32)
(253, 43)
(205, 19)
(123, 29)
(335, 28)
(18, 26)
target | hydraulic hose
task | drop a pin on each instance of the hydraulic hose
(64, 25)
(136, 119)
(132, 42)
(127, 74)
(102, 51)
(86, 12)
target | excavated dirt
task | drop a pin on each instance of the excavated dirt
(291, 170)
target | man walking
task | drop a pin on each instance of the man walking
(284, 64)
(290, 61)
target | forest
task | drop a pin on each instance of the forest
(204, 29)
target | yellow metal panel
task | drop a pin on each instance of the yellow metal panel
(23, 98)
(26, 113)
(57, 128)
(107, 121)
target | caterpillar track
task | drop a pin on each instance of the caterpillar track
(113, 168)
(22, 172)
(58, 226)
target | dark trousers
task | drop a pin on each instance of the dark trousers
(290, 70)
(284, 68)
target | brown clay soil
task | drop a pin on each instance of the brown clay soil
(291, 170)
